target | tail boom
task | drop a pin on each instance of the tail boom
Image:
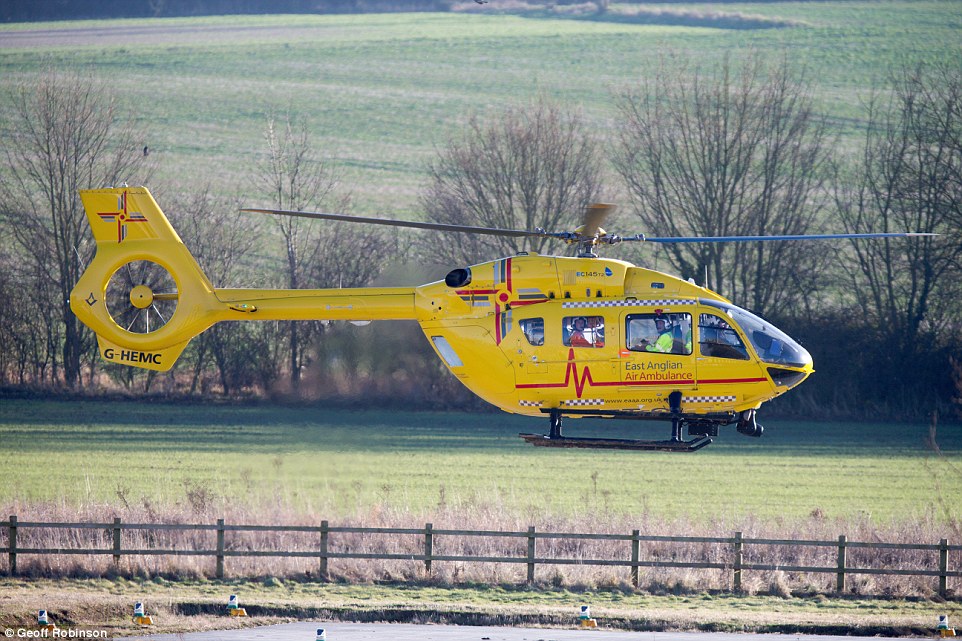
(356, 304)
(143, 323)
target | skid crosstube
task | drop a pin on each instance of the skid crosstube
(700, 426)
(541, 440)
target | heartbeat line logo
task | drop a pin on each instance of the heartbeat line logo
(571, 372)
(122, 217)
(581, 381)
(584, 379)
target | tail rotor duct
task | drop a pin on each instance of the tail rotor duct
(141, 297)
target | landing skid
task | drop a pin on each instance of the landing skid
(542, 440)
(555, 438)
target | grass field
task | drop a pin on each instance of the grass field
(308, 464)
(92, 460)
(381, 92)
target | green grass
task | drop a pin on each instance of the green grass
(382, 91)
(312, 463)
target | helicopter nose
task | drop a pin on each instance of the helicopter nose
(787, 378)
(792, 364)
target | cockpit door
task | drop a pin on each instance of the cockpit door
(727, 373)
(657, 352)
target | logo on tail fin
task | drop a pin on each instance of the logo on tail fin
(122, 217)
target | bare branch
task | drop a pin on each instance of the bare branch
(734, 152)
(528, 167)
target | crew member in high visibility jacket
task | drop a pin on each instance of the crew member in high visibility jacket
(664, 341)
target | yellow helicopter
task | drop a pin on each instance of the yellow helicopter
(535, 335)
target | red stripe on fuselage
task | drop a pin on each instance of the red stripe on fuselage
(585, 380)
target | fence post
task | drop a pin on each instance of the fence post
(634, 557)
(840, 577)
(220, 549)
(428, 547)
(324, 535)
(531, 549)
(117, 541)
(737, 564)
(12, 544)
(943, 567)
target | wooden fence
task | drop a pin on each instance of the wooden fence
(736, 546)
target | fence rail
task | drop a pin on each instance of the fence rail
(736, 564)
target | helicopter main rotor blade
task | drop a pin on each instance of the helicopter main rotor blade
(738, 239)
(468, 229)
(594, 216)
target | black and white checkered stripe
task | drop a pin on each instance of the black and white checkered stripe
(583, 401)
(530, 403)
(708, 399)
(665, 302)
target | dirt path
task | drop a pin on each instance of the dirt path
(166, 33)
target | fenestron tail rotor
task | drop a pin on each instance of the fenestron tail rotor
(141, 297)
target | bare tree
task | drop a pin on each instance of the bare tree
(734, 152)
(295, 178)
(222, 241)
(530, 166)
(317, 254)
(29, 330)
(909, 178)
(67, 137)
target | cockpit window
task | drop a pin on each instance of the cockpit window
(533, 330)
(771, 344)
(583, 331)
(665, 333)
(717, 338)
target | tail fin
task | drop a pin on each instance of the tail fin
(140, 276)
(128, 214)
(145, 296)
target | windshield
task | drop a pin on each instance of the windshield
(771, 344)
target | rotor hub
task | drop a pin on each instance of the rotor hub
(141, 297)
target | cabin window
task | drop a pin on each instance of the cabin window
(661, 332)
(533, 330)
(583, 331)
(717, 338)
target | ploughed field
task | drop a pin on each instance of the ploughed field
(381, 92)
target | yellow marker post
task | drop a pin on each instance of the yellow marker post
(141, 618)
(945, 631)
(233, 609)
(43, 622)
(585, 618)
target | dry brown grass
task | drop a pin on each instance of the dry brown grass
(200, 605)
(579, 577)
(108, 608)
